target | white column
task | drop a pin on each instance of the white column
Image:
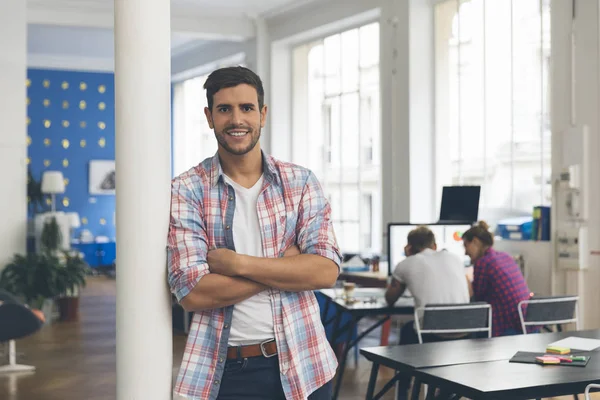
(407, 112)
(395, 113)
(263, 69)
(13, 147)
(143, 154)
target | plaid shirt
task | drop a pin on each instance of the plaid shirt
(498, 281)
(291, 210)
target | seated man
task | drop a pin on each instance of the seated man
(433, 277)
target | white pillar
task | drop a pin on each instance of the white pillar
(407, 112)
(143, 165)
(263, 69)
(13, 147)
(395, 112)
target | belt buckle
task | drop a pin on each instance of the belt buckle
(264, 351)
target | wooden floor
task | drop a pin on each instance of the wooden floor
(76, 361)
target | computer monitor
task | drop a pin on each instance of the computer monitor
(447, 237)
(459, 204)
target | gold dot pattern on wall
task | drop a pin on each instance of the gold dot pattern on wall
(65, 104)
(84, 221)
(66, 202)
(65, 143)
(82, 104)
(101, 89)
(82, 86)
(28, 140)
(28, 120)
(64, 85)
(28, 160)
(46, 103)
(47, 142)
(49, 202)
(65, 124)
(66, 181)
(46, 83)
(82, 143)
(46, 163)
(101, 125)
(28, 82)
(102, 106)
(47, 123)
(82, 124)
(102, 142)
(102, 221)
(65, 163)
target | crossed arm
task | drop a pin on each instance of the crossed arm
(244, 276)
(222, 277)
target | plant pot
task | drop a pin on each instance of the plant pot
(68, 309)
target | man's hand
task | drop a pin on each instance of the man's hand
(223, 262)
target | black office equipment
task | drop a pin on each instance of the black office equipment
(460, 204)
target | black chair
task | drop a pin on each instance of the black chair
(440, 319)
(16, 321)
(549, 310)
(454, 318)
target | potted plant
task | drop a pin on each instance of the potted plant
(32, 277)
(70, 277)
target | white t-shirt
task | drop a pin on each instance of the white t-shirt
(434, 277)
(252, 320)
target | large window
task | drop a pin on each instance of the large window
(339, 132)
(193, 140)
(492, 101)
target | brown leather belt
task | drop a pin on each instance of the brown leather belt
(266, 349)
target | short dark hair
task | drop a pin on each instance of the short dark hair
(480, 231)
(230, 77)
(421, 238)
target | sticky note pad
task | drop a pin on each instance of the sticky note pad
(557, 350)
(548, 360)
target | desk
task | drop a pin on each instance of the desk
(504, 380)
(367, 279)
(369, 302)
(97, 254)
(433, 363)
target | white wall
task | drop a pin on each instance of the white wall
(13, 148)
(586, 105)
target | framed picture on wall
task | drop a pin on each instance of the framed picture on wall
(102, 177)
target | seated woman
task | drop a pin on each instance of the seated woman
(497, 280)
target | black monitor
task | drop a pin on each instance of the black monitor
(448, 237)
(460, 204)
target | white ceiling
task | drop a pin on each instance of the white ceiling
(196, 7)
(83, 28)
(58, 40)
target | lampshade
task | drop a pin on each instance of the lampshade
(53, 182)
(74, 220)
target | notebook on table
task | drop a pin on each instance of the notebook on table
(526, 357)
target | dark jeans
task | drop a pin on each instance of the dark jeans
(257, 378)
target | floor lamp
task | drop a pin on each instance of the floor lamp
(52, 183)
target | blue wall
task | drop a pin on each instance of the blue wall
(70, 117)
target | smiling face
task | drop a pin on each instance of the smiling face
(236, 119)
